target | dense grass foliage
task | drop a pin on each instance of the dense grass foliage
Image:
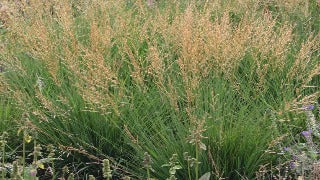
(105, 79)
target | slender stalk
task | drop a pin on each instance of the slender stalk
(302, 169)
(35, 158)
(3, 159)
(197, 162)
(189, 173)
(53, 170)
(148, 173)
(23, 154)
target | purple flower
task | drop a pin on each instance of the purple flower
(150, 3)
(292, 165)
(308, 107)
(286, 149)
(33, 172)
(306, 134)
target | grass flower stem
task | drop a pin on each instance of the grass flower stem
(189, 173)
(148, 173)
(23, 155)
(197, 164)
(53, 170)
(3, 160)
